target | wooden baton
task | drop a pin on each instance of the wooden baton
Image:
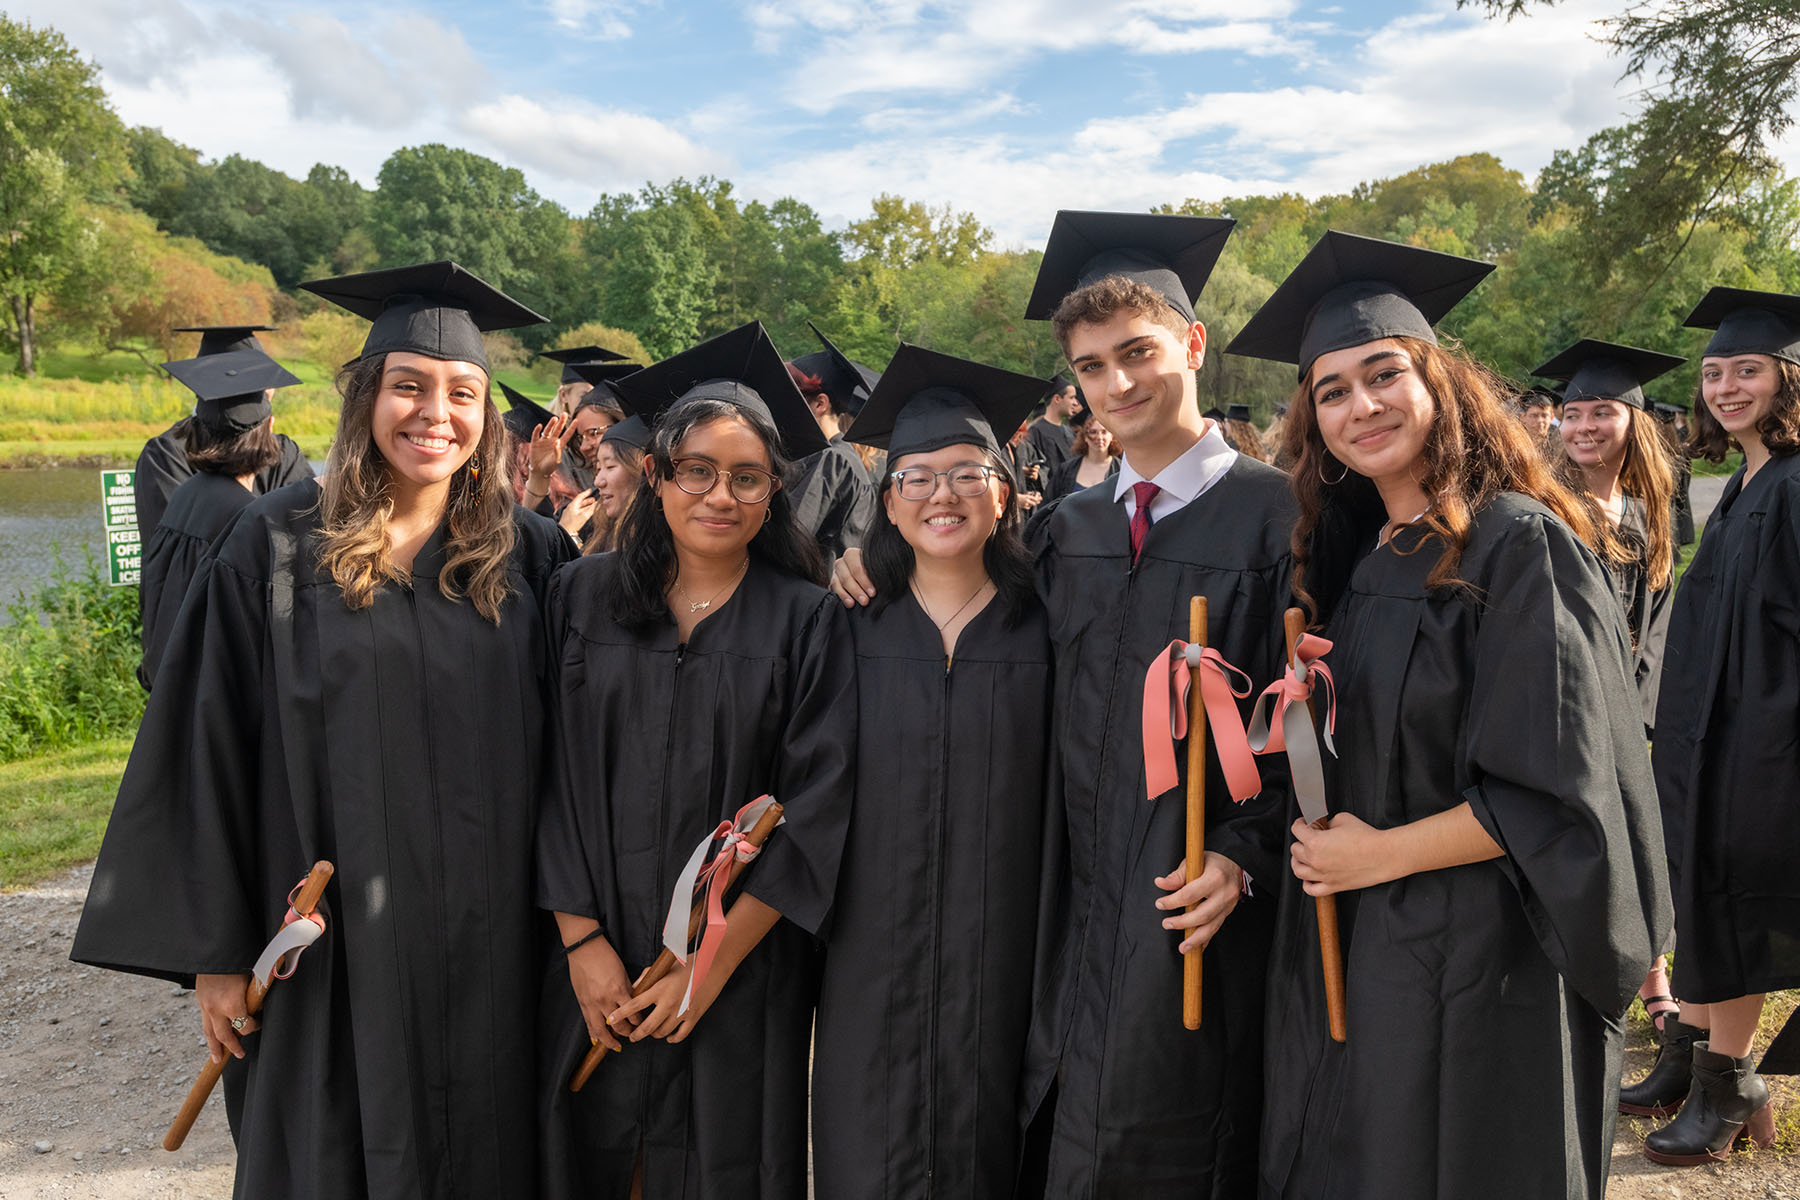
(304, 903)
(1196, 809)
(666, 961)
(1331, 957)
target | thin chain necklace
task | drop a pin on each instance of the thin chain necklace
(700, 606)
(942, 625)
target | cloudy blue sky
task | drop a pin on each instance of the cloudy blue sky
(1008, 108)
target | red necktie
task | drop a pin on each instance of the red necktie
(1143, 493)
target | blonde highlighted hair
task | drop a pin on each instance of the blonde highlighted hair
(356, 502)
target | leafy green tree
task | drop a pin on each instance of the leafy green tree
(437, 201)
(902, 233)
(60, 146)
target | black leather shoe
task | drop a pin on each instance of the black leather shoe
(1660, 1093)
(1727, 1102)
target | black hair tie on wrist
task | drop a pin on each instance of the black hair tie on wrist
(596, 931)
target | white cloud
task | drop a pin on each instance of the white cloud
(604, 20)
(589, 149)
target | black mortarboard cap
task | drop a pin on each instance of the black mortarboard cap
(573, 356)
(1597, 370)
(229, 386)
(926, 401)
(1215, 413)
(436, 309)
(742, 367)
(1666, 412)
(1173, 255)
(604, 376)
(217, 339)
(1351, 290)
(847, 382)
(523, 414)
(633, 431)
(1238, 412)
(1060, 383)
(1749, 323)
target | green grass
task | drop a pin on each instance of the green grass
(1704, 466)
(54, 807)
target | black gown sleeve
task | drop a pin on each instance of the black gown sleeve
(174, 888)
(816, 779)
(1562, 777)
(564, 874)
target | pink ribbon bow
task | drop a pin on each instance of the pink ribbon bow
(714, 876)
(1295, 686)
(1166, 686)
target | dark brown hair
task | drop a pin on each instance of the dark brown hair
(356, 502)
(1104, 299)
(212, 451)
(1779, 427)
(1475, 449)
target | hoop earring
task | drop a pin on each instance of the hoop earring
(1320, 468)
(767, 513)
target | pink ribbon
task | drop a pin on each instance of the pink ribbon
(714, 876)
(1295, 686)
(1166, 686)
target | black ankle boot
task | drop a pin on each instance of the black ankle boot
(1728, 1101)
(1660, 1093)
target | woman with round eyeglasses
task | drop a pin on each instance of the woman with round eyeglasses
(1726, 751)
(928, 964)
(698, 667)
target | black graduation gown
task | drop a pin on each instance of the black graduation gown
(1028, 467)
(922, 1019)
(654, 744)
(1063, 482)
(834, 498)
(162, 466)
(1484, 1001)
(200, 510)
(401, 742)
(1053, 443)
(1646, 609)
(1681, 505)
(1727, 748)
(1143, 1107)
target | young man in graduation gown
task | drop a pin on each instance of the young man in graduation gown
(162, 465)
(229, 433)
(1051, 435)
(834, 496)
(1119, 1098)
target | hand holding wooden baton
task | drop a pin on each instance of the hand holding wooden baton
(666, 961)
(302, 908)
(1307, 769)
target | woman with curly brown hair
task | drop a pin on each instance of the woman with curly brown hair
(1494, 849)
(1726, 754)
(358, 676)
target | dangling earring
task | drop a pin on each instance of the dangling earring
(475, 469)
(1320, 468)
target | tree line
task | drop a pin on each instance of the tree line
(116, 236)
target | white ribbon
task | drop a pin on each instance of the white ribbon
(287, 944)
(681, 901)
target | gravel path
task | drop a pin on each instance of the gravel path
(94, 1064)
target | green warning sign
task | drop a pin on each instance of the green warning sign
(118, 509)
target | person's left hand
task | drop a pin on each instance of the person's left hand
(1214, 895)
(547, 442)
(660, 1002)
(1347, 854)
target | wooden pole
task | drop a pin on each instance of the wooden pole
(304, 904)
(1331, 956)
(666, 961)
(1196, 809)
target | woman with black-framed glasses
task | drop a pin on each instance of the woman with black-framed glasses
(698, 667)
(928, 964)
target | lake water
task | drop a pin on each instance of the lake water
(42, 510)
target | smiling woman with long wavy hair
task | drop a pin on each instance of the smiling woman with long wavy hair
(357, 676)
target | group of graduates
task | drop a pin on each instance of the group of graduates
(527, 680)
